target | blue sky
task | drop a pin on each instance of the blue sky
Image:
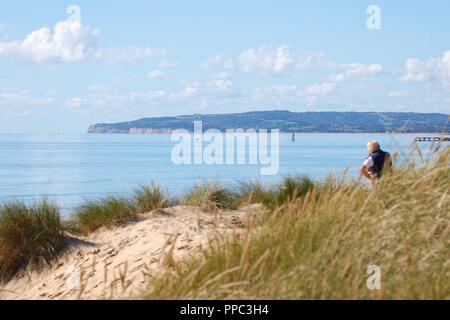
(123, 60)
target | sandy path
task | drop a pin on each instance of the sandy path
(116, 263)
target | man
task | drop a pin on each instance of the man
(376, 163)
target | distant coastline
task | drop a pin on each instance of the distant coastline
(288, 122)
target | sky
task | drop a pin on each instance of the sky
(65, 65)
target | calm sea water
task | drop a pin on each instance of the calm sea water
(72, 168)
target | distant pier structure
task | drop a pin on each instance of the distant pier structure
(433, 139)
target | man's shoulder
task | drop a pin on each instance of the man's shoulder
(368, 162)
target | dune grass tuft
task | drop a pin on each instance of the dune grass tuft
(211, 196)
(272, 197)
(289, 189)
(95, 214)
(151, 197)
(320, 245)
(252, 192)
(29, 236)
(110, 211)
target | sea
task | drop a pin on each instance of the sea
(70, 169)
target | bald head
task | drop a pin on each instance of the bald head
(373, 146)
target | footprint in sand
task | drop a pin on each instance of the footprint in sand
(157, 251)
(60, 276)
(142, 245)
(137, 268)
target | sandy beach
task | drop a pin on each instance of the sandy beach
(117, 263)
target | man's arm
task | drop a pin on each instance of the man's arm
(365, 168)
(365, 172)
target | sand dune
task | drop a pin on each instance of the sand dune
(116, 263)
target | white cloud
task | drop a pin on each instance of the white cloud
(168, 64)
(309, 60)
(350, 71)
(266, 60)
(285, 91)
(277, 89)
(16, 98)
(213, 61)
(129, 54)
(311, 101)
(435, 69)
(115, 100)
(219, 60)
(191, 88)
(158, 94)
(75, 102)
(321, 89)
(97, 88)
(221, 75)
(228, 64)
(416, 71)
(205, 88)
(356, 70)
(219, 84)
(68, 41)
(399, 93)
(155, 74)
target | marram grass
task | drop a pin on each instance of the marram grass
(33, 235)
(320, 246)
(29, 236)
(315, 242)
(211, 196)
(95, 214)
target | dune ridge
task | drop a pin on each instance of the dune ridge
(116, 263)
